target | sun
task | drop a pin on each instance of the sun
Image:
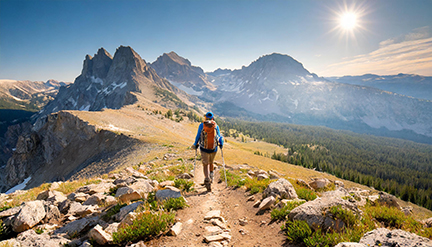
(348, 21)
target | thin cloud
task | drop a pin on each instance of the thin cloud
(410, 54)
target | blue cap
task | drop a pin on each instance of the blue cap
(209, 115)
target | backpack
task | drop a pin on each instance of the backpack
(209, 137)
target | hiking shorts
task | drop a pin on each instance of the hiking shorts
(207, 158)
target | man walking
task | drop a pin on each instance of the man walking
(208, 139)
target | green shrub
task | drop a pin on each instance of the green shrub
(39, 230)
(393, 217)
(184, 184)
(152, 202)
(348, 217)
(329, 187)
(232, 179)
(296, 230)
(254, 186)
(174, 204)
(112, 211)
(146, 224)
(113, 191)
(306, 194)
(321, 239)
(281, 214)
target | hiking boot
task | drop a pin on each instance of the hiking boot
(207, 184)
(211, 177)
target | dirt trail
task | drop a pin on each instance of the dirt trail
(234, 206)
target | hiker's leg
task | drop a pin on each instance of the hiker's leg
(205, 161)
(211, 167)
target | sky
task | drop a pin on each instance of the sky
(41, 40)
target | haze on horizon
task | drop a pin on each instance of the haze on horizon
(41, 40)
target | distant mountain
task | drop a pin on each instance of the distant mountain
(219, 72)
(27, 95)
(180, 72)
(410, 85)
(110, 82)
(277, 86)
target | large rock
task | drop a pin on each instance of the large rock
(10, 212)
(126, 210)
(52, 214)
(427, 222)
(135, 173)
(168, 192)
(176, 229)
(143, 187)
(76, 209)
(319, 183)
(388, 200)
(281, 188)
(399, 238)
(339, 192)
(56, 197)
(96, 188)
(75, 228)
(267, 203)
(303, 183)
(99, 235)
(95, 199)
(30, 215)
(166, 183)
(316, 213)
(31, 238)
(126, 194)
(122, 182)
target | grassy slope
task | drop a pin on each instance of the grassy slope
(138, 121)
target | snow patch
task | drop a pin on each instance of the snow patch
(296, 103)
(17, 99)
(74, 103)
(96, 80)
(19, 186)
(188, 90)
(85, 108)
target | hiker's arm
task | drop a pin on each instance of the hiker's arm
(220, 139)
(200, 128)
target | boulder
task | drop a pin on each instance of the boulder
(427, 222)
(125, 210)
(64, 206)
(339, 192)
(78, 197)
(262, 177)
(273, 175)
(267, 203)
(388, 200)
(77, 227)
(168, 192)
(339, 183)
(316, 213)
(166, 183)
(76, 209)
(126, 194)
(397, 237)
(53, 215)
(31, 238)
(55, 185)
(99, 235)
(143, 187)
(281, 188)
(124, 182)
(96, 188)
(10, 212)
(251, 173)
(109, 200)
(30, 215)
(44, 195)
(214, 214)
(95, 199)
(129, 218)
(303, 183)
(56, 197)
(319, 183)
(176, 229)
(407, 210)
(111, 228)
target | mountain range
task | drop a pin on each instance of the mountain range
(275, 87)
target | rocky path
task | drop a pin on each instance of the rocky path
(222, 217)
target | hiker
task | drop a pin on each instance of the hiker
(208, 139)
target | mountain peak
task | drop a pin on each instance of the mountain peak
(103, 52)
(176, 58)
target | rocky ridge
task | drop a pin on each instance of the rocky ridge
(108, 82)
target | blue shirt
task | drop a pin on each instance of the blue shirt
(219, 138)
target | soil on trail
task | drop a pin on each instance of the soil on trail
(233, 204)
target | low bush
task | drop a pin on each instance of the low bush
(184, 184)
(256, 186)
(348, 217)
(306, 194)
(296, 230)
(174, 204)
(232, 179)
(393, 218)
(281, 214)
(146, 225)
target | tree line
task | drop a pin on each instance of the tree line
(399, 167)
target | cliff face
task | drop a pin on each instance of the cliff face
(63, 145)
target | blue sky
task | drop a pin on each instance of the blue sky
(40, 40)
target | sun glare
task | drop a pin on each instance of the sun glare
(348, 21)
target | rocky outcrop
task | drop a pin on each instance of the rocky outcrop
(317, 213)
(107, 82)
(281, 188)
(30, 215)
(386, 237)
(63, 145)
(182, 73)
